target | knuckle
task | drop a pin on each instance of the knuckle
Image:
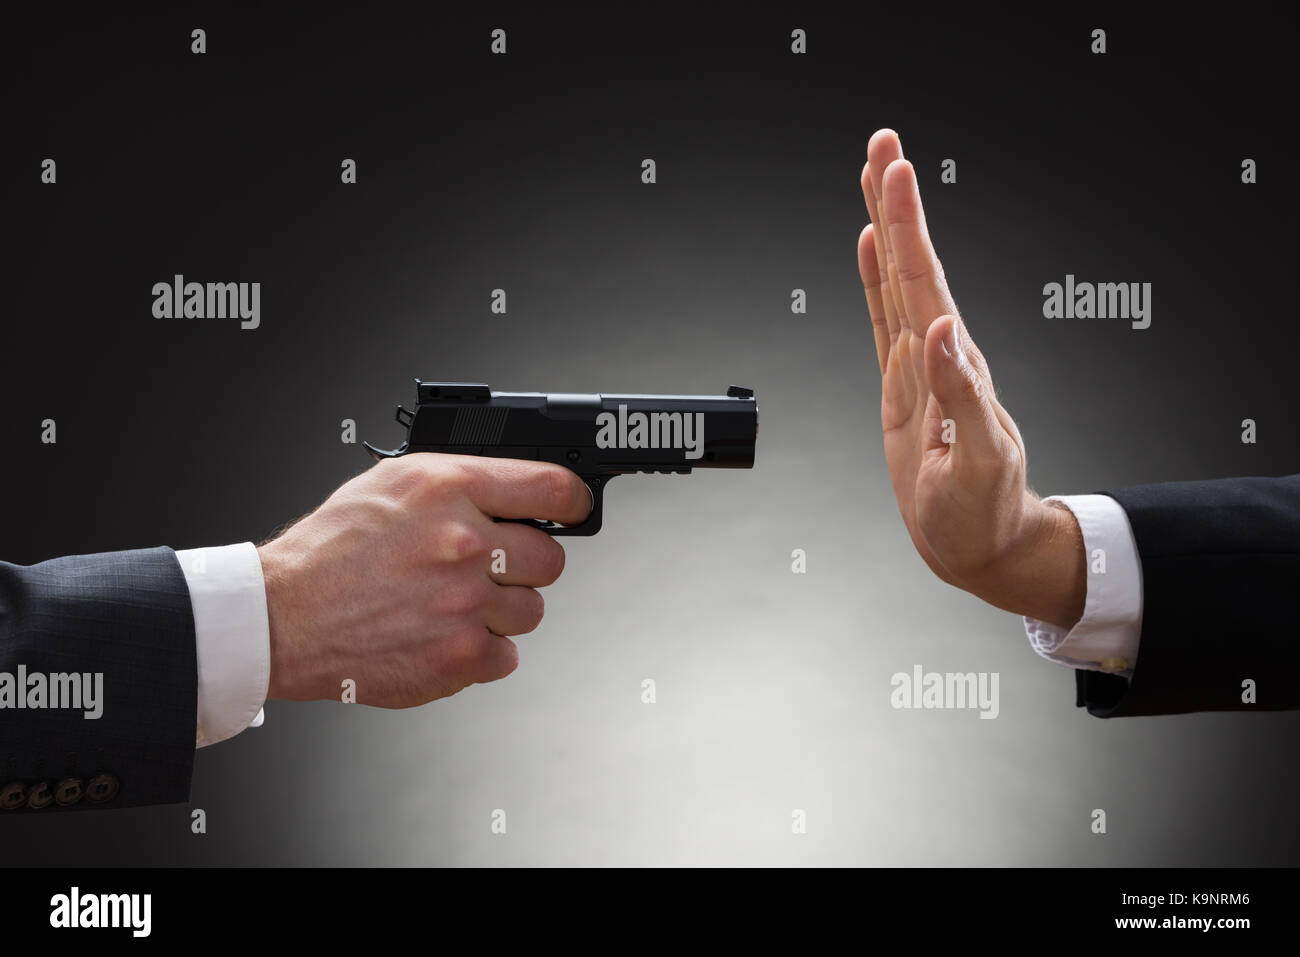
(1011, 462)
(460, 541)
(915, 272)
(467, 651)
(507, 660)
(406, 480)
(534, 610)
(462, 600)
(448, 482)
(417, 482)
(557, 487)
(551, 564)
(455, 654)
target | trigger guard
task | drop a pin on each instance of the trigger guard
(588, 526)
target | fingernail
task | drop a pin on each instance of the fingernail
(950, 342)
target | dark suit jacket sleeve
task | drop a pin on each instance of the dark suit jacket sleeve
(1220, 599)
(126, 615)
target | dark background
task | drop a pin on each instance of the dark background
(523, 172)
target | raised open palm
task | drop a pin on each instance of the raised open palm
(956, 458)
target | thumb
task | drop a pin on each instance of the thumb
(970, 423)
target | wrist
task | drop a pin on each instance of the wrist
(1056, 577)
(1044, 574)
(278, 614)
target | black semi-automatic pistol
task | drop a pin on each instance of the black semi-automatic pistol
(596, 436)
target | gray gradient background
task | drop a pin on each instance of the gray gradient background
(522, 172)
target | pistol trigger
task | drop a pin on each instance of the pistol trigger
(591, 524)
(530, 522)
(588, 526)
(409, 417)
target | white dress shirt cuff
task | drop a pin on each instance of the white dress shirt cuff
(232, 638)
(1106, 637)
